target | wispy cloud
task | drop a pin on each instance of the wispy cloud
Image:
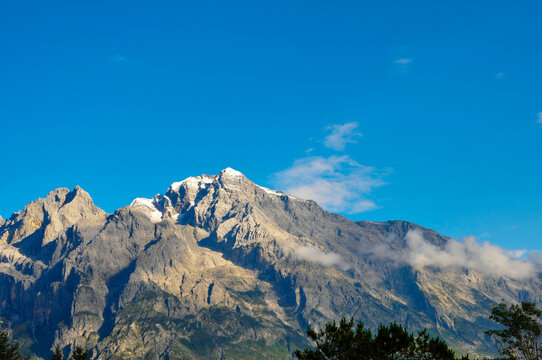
(337, 183)
(401, 65)
(499, 75)
(341, 134)
(403, 61)
(309, 253)
(539, 118)
(485, 257)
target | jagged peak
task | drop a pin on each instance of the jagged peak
(193, 181)
(65, 195)
(62, 191)
(183, 195)
(60, 209)
(59, 198)
(201, 181)
(78, 193)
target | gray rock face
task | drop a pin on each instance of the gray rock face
(221, 267)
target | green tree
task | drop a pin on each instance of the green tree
(519, 337)
(432, 348)
(57, 354)
(8, 350)
(80, 354)
(391, 342)
(338, 342)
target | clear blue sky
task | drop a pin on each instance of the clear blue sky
(125, 97)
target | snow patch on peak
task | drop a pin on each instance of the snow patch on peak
(202, 181)
(231, 172)
(270, 192)
(277, 193)
(143, 202)
(176, 185)
(148, 206)
(193, 181)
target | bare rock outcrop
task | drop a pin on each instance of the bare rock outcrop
(221, 267)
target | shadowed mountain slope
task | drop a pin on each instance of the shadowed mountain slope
(219, 267)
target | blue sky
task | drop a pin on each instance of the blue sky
(422, 110)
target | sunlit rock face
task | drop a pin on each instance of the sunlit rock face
(219, 267)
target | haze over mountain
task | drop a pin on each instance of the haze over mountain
(219, 267)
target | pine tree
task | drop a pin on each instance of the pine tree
(8, 350)
(391, 342)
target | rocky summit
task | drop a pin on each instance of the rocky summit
(221, 268)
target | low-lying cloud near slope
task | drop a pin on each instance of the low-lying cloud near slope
(482, 257)
(535, 256)
(309, 253)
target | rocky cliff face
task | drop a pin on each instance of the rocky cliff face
(219, 267)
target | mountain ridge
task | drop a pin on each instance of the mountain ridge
(219, 266)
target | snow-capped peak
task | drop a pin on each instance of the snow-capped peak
(148, 206)
(202, 181)
(143, 202)
(231, 172)
(193, 181)
(161, 206)
(176, 185)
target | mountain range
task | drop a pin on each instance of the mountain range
(221, 268)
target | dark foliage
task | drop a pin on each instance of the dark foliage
(57, 354)
(80, 354)
(8, 350)
(392, 342)
(519, 337)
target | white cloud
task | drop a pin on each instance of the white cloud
(485, 257)
(535, 256)
(401, 65)
(539, 118)
(309, 253)
(341, 135)
(337, 183)
(403, 61)
(499, 75)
